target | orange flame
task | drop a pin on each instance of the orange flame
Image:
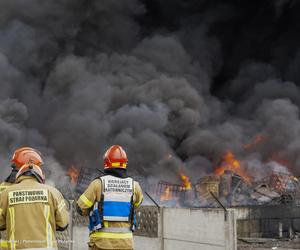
(257, 140)
(185, 181)
(229, 162)
(73, 173)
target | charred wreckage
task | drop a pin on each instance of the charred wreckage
(230, 184)
(267, 207)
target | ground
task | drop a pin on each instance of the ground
(270, 244)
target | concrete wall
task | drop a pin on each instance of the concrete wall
(190, 229)
(146, 243)
(80, 238)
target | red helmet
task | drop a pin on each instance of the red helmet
(26, 155)
(32, 170)
(115, 157)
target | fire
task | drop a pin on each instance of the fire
(185, 181)
(73, 173)
(166, 195)
(257, 140)
(229, 162)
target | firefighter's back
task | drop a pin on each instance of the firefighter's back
(31, 209)
(111, 202)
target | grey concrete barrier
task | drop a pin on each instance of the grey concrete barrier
(166, 229)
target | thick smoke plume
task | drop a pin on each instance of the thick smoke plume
(176, 83)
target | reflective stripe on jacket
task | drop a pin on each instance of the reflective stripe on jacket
(31, 212)
(115, 234)
(3, 243)
(4, 185)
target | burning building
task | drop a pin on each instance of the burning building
(214, 84)
(232, 185)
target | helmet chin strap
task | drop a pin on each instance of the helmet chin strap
(12, 177)
(33, 171)
(30, 172)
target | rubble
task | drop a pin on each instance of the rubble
(231, 189)
(233, 186)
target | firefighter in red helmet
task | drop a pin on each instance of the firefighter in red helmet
(111, 201)
(20, 157)
(31, 199)
(31, 211)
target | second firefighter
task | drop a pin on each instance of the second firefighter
(111, 201)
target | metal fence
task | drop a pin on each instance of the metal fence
(268, 221)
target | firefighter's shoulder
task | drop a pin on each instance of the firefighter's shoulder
(95, 187)
(4, 185)
(92, 193)
(9, 187)
(138, 194)
(5, 193)
(54, 191)
(95, 184)
(137, 186)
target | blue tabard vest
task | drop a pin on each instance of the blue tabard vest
(117, 198)
(115, 205)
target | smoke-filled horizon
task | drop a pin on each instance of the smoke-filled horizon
(192, 80)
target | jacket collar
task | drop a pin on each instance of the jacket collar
(24, 178)
(116, 172)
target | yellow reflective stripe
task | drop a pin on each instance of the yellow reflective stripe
(138, 203)
(86, 201)
(61, 205)
(2, 188)
(48, 226)
(12, 242)
(118, 164)
(3, 244)
(112, 235)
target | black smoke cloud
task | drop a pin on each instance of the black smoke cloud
(189, 80)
